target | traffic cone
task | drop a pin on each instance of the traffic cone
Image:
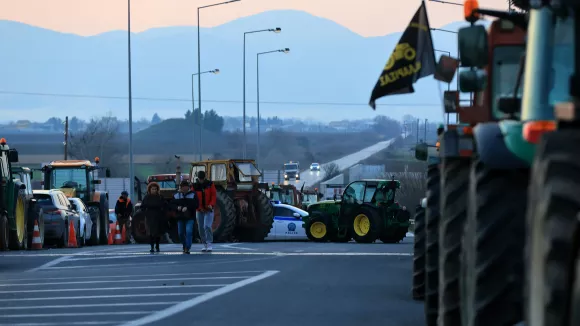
(111, 234)
(118, 239)
(36, 242)
(72, 236)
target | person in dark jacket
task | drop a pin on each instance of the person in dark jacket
(154, 207)
(207, 197)
(185, 203)
(124, 211)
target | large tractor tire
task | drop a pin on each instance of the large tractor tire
(224, 218)
(554, 232)
(265, 212)
(18, 239)
(318, 227)
(95, 214)
(366, 225)
(493, 245)
(453, 207)
(419, 256)
(138, 227)
(432, 246)
(4, 232)
(104, 213)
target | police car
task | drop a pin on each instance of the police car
(287, 223)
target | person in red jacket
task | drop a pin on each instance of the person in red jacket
(207, 197)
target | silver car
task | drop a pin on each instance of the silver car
(86, 225)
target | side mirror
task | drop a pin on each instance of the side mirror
(422, 151)
(13, 156)
(96, 182)
(107, 173)
(472, 81)
(110, 221)
(509, 105)
(473, 46)
(22, 186)
(296, 215)
(450, 101)
(446, 68)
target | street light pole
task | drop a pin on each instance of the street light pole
(131, 170)
(199, 49)
(199, 117)
(286, 50)
(275, 30)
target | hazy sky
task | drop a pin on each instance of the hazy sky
(89, 17)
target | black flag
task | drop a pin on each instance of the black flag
(413, 58)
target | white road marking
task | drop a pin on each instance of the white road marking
(231, 246)
(113, 265)
(116, 289)
(120, 304)
(86, 297)
(77, 323)
(73, 314)
(49, 264)
(129, 276)
(159, 315)
(127, 281)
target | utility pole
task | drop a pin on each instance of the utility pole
(66, 138)
(417, 131)
(426, 130)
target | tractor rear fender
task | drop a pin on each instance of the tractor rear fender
(492, 150)
(455, 144)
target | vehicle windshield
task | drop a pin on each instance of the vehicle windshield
(311, 198)
(290, 166)
(248, 169)
(43, 200)
(70, 178)
(315, 164)
(562, 60)
(281, 196)
(506, 64)
(167, 184)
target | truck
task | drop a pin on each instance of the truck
(13, 203)
(292, 171)
(76, 178)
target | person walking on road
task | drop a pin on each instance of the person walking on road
(124, 211)
(207, 197)
(185, 203)
(154, 206)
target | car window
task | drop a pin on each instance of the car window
(75, 205)
(283, 212)
(43, 200)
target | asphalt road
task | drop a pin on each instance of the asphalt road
(238, 284)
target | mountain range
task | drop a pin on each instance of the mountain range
(328, 74)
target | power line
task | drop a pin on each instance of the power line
(159, 99)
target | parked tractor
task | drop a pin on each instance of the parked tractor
(367, 212)
(13, 203)
(308, 197)
(24, 175)
(168, 186)
(243, 211)
(76, 178)
(285, 194)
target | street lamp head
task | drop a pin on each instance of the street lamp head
(276, 30)
(286, 50)
(216, 71)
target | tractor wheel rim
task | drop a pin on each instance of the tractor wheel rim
(362, 225)
(318, 230)
(20, 220)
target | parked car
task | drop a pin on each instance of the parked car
(86, 225)
(287, 223)
(57, 213)
(315, 167)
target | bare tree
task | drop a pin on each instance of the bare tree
(99, 138)
(331, 170)
(413, 187)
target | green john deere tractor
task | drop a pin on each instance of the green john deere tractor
(366, 212)
(13, 212)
